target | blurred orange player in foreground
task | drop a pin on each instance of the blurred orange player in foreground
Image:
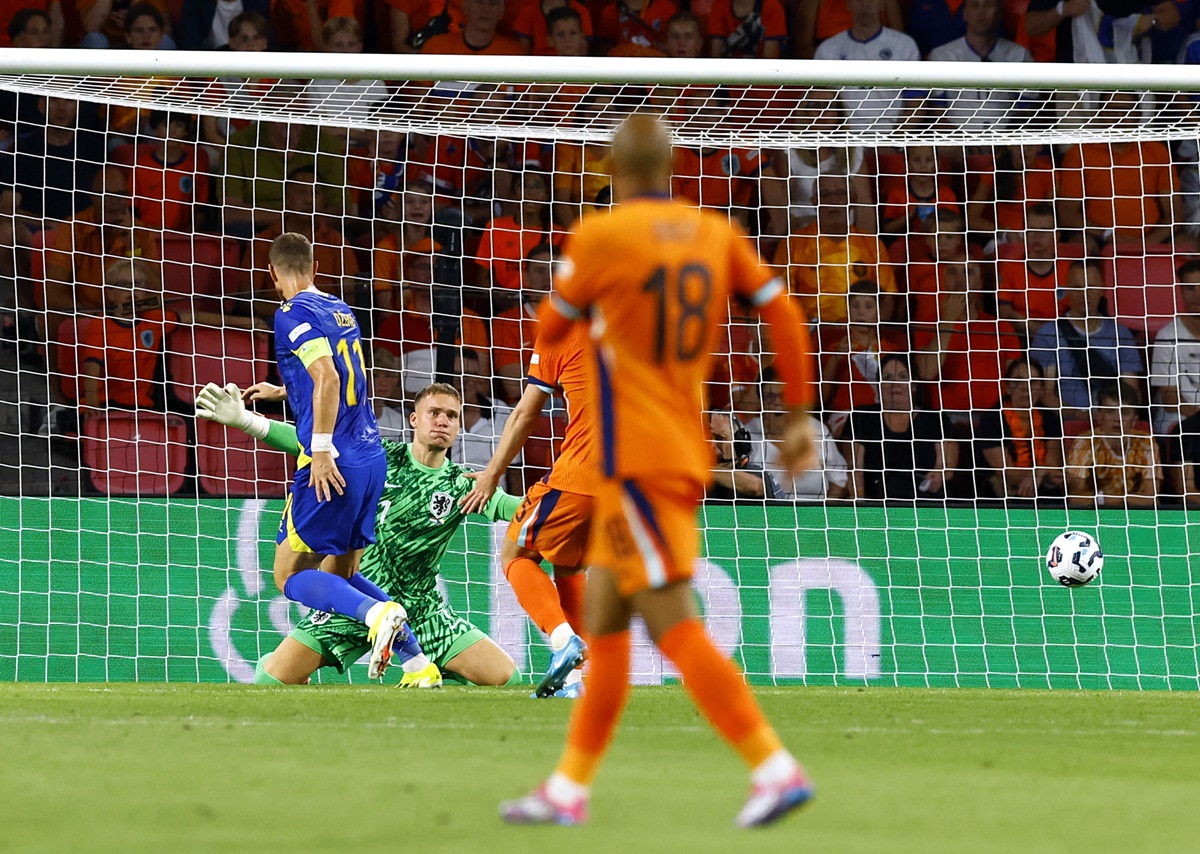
(655, 278)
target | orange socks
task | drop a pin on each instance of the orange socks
(717, 688)
(536, 593)
(597, 712)
(570, 594)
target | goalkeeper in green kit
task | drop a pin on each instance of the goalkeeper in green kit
(418, 515)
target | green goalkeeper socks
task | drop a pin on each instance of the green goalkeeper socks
(261, 676)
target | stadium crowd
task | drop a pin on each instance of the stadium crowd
(1013, 322)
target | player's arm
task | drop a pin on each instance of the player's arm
(570, 300)
(501, 506)
(517, 431)
(225, 406)
(327, 392)
(794, 366)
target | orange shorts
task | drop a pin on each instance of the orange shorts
(646, 534)
(553, 523)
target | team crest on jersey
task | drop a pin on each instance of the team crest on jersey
(885, 53)
(440, 506)
(147, 338)
(730, 165)
(319, 618)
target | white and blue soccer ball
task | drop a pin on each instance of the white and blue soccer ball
(1074, 558)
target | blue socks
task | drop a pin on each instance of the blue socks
(324, 591)
(364, 585)
(407, 646)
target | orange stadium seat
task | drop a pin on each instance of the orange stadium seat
(136, 453)
(199, 355)
(229, 462)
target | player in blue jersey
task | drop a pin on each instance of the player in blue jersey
(330, 511)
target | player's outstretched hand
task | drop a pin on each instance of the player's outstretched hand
(325, 477)
(797, 451)
(475, 500)
(222, 405)
(264, 391)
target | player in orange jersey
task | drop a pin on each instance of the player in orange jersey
(554, 519)
(655, 278)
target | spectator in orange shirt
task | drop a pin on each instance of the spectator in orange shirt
(337, 265)
(1023, 176)
(906, 209)
(850, 355)
(81, 251)
(641, 23)
(405, 223)
(965, 354)
(414, 22)
(1027, 292)
(828, 255)
(1123, 192)
(534, 21)
(514, 329)
(171, 178)
(106, 22)
(298, 23)
(248, 31)
(508, 239)
(721, 178)
(748, 28)
(479, 34)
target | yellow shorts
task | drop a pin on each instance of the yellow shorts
(646, 535)
(553, 523)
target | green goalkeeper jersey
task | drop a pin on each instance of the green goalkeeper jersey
(417, 517)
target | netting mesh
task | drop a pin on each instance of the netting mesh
(993, 276)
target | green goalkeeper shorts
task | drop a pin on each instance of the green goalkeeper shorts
(341, 641)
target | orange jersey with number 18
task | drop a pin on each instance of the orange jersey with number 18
(656, 276)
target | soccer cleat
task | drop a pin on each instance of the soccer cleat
(382, 634)
(561, 665)
(537, 808)
(427, 677)
(769, 803)
(570, 692)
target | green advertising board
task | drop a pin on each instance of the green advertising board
(181, 590)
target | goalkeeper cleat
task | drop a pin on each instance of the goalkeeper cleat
(427, 677)
(770, 802)
(538, 808)
(562, 663)
(388, 624)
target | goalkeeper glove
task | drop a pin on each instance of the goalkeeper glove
(224, 406)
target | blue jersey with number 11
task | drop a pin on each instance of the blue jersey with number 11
(314, 324)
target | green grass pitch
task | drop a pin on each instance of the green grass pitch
(175, 768)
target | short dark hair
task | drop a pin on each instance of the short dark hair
(1189, 268)
(1041, 209)
(291, 252)
(542, 248)
(21, 20)
(1031, 365)
(436, 388)
(250, 19)
(563, 13)
(684, 17)
(145, 10)
(167, 118)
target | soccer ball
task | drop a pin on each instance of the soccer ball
(1074, 558)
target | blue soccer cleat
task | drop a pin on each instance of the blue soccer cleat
(537, 808)
(769, 803)
(569, 692)
(561, 665)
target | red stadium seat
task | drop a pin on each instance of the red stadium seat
(197, 355)
(192, 267)
(136, 453)
(67, 363)
(232, 463)
(1147, 298)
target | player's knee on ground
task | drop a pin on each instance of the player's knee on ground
(261, 676)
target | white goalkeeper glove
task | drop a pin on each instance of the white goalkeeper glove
(224, 406)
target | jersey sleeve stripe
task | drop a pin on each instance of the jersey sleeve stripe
(767, 292)
(541, 384)
(564, 308)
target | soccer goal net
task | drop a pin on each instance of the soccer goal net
(999, 264)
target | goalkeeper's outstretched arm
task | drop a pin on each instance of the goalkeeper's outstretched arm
(225, 406)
